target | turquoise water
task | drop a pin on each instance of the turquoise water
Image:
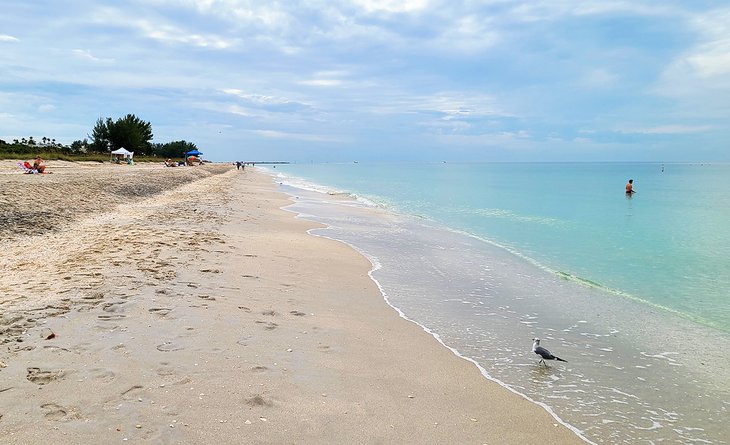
(485, 257)
(667, 246)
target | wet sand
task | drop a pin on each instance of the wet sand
(182, 305)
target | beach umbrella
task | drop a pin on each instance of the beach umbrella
(193, 153)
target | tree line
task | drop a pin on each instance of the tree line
(128, 132)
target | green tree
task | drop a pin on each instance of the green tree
(175, 149)
(129, 132)
(100, 136)
(79, 146)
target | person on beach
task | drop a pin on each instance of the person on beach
(238, 165)
(39, 165)
(630, 187)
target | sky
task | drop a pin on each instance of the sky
(378, 80)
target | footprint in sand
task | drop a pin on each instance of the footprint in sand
(165, 370)
(58, 412)
(206, 297)
(244, 341)
(298, 313)
(42, 377)
(162, 311)
(120, 348)
(268, 325)
(103, 375)
(111, 317)
(56, 348)
(270, 312)
(258, 400)
(168, 346)
(113, 306)
(134, 392)
(93, 296)
(259, 369)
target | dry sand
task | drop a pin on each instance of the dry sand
(183, 306)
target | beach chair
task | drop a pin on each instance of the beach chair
(26, 167)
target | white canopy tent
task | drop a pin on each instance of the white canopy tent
(122, 153)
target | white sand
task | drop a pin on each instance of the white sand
(207, 315)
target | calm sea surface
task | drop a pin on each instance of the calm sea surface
(633, 292)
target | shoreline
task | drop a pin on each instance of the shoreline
(209, 313)
(456, 352)
(602, 350)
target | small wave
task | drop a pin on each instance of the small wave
(377, 265)
(508, 214)
(595, 285)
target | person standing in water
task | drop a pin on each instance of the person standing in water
(630, 187)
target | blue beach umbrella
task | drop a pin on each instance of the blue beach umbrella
(194, 153)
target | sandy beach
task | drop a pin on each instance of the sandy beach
(185, 306)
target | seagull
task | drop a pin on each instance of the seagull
(544, 353)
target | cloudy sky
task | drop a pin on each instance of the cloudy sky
(338, 80)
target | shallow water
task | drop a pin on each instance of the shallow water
(667, 246)
(636, 373)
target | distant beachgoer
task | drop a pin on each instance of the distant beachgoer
(630, 187)
(39, 165)
(238, 165)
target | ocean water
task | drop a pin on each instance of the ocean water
(632, 291)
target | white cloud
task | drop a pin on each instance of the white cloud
(455, 105)
(7, 38)
(86, 55)
(392, 6)
(468, 34)
(274, 134)
(169, 33)
(321, 82)
(549, 10)
(712, 60)
(701, 74)
(668, 129)
(46, 108)
(711, 57)
(256, 98)
(159, 28)
(240, 13)
(240, 111)
(268, 103)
